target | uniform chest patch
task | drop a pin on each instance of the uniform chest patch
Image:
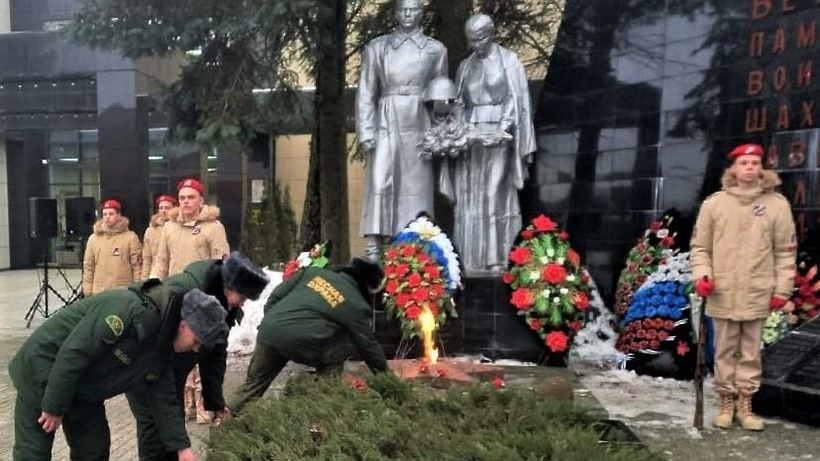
(122, 356)
(115, 251)
(115, 324)
(196, 230)
(759, 209)
(326, 291)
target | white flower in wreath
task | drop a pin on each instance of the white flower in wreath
(662, 233)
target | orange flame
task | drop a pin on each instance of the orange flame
(428, 327)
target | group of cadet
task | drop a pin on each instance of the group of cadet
(155, 311)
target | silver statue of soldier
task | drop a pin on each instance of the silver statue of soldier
(391, 121)
(492, 87)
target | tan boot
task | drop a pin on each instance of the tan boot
(747, 419)
(726, 411)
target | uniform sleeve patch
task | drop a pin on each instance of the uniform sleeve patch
(115, 324)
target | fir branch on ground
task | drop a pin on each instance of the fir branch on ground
(326, 419)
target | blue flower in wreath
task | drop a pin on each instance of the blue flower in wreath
(656, 300)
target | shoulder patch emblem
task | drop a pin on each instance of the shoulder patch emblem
(196, 230)
(115, 251)
(759, 209)
(115, 324)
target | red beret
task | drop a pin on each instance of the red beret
(165, 198)
(111, 204)
(746, 149)
(193, 184)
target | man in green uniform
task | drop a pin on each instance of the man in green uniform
(232, 282)
(100, 347)
(303, 318)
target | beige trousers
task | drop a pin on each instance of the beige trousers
(737, 356)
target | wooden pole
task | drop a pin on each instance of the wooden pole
(698, 422)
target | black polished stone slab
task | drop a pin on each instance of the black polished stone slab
(790, 387)
(486, 325)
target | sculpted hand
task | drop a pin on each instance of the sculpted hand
(186, 454)
(368, 146)
(49, 422)
(704, 287)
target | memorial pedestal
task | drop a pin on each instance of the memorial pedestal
(486, 325)
(790, 387)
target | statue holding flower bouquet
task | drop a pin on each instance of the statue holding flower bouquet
(550, 290)
(422, 276)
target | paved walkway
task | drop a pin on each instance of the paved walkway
(18, 290)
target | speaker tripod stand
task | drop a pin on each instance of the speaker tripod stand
(40, 303)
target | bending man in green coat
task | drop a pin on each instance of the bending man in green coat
(232, 282)
(303, 318)
(100, 347)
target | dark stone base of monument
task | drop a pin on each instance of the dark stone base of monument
(486, 325)
(790, 387)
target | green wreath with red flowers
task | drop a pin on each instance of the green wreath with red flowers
(549, 287)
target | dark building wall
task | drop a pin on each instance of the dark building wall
(27, 178)
(643, 100)
(30, 15)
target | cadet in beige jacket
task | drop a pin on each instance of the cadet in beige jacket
(113, 256)
(150, 241)
(743, 261)
(193, 233)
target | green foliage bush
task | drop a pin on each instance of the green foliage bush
(269, 229)
(326, 419)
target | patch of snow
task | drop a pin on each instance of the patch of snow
(242, 338)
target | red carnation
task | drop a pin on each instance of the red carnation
(554, 273)
(392, 253)
(498, 383)
(585, 277)
(290, 268)
(522, 298)
(563, 235)
(402, 299)
(662, 335)
(437, 291)
(391, 287)
(408, 250)
(421, 294)
(433, 309)
(654, 344)
(507, 278)
(423, 258)
(806, 291)
(520, 256)
(576, 325)
(431, 271)
(641, 334)
(557, 341)
(535, 324)
(667, 242)
(656, 226)
(527, 234)
(544, 224)
(402, 270)
(580, 300)
(413, 312)
(414, 280)
(390, 271)
(669, 325)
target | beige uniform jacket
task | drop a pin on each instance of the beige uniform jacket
(183, 242)
(113, 258)
(744, 240)
(150, 243)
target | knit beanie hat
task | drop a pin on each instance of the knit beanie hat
(205, 316)
(367, 274)
(244, 277)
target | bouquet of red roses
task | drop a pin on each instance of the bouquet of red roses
(550, 290)
(421, 272)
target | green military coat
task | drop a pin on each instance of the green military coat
(305, 312)
(102, 346)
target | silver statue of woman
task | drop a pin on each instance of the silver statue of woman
(493, 89)
(391, 121)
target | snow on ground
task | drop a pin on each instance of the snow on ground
(242, 338)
